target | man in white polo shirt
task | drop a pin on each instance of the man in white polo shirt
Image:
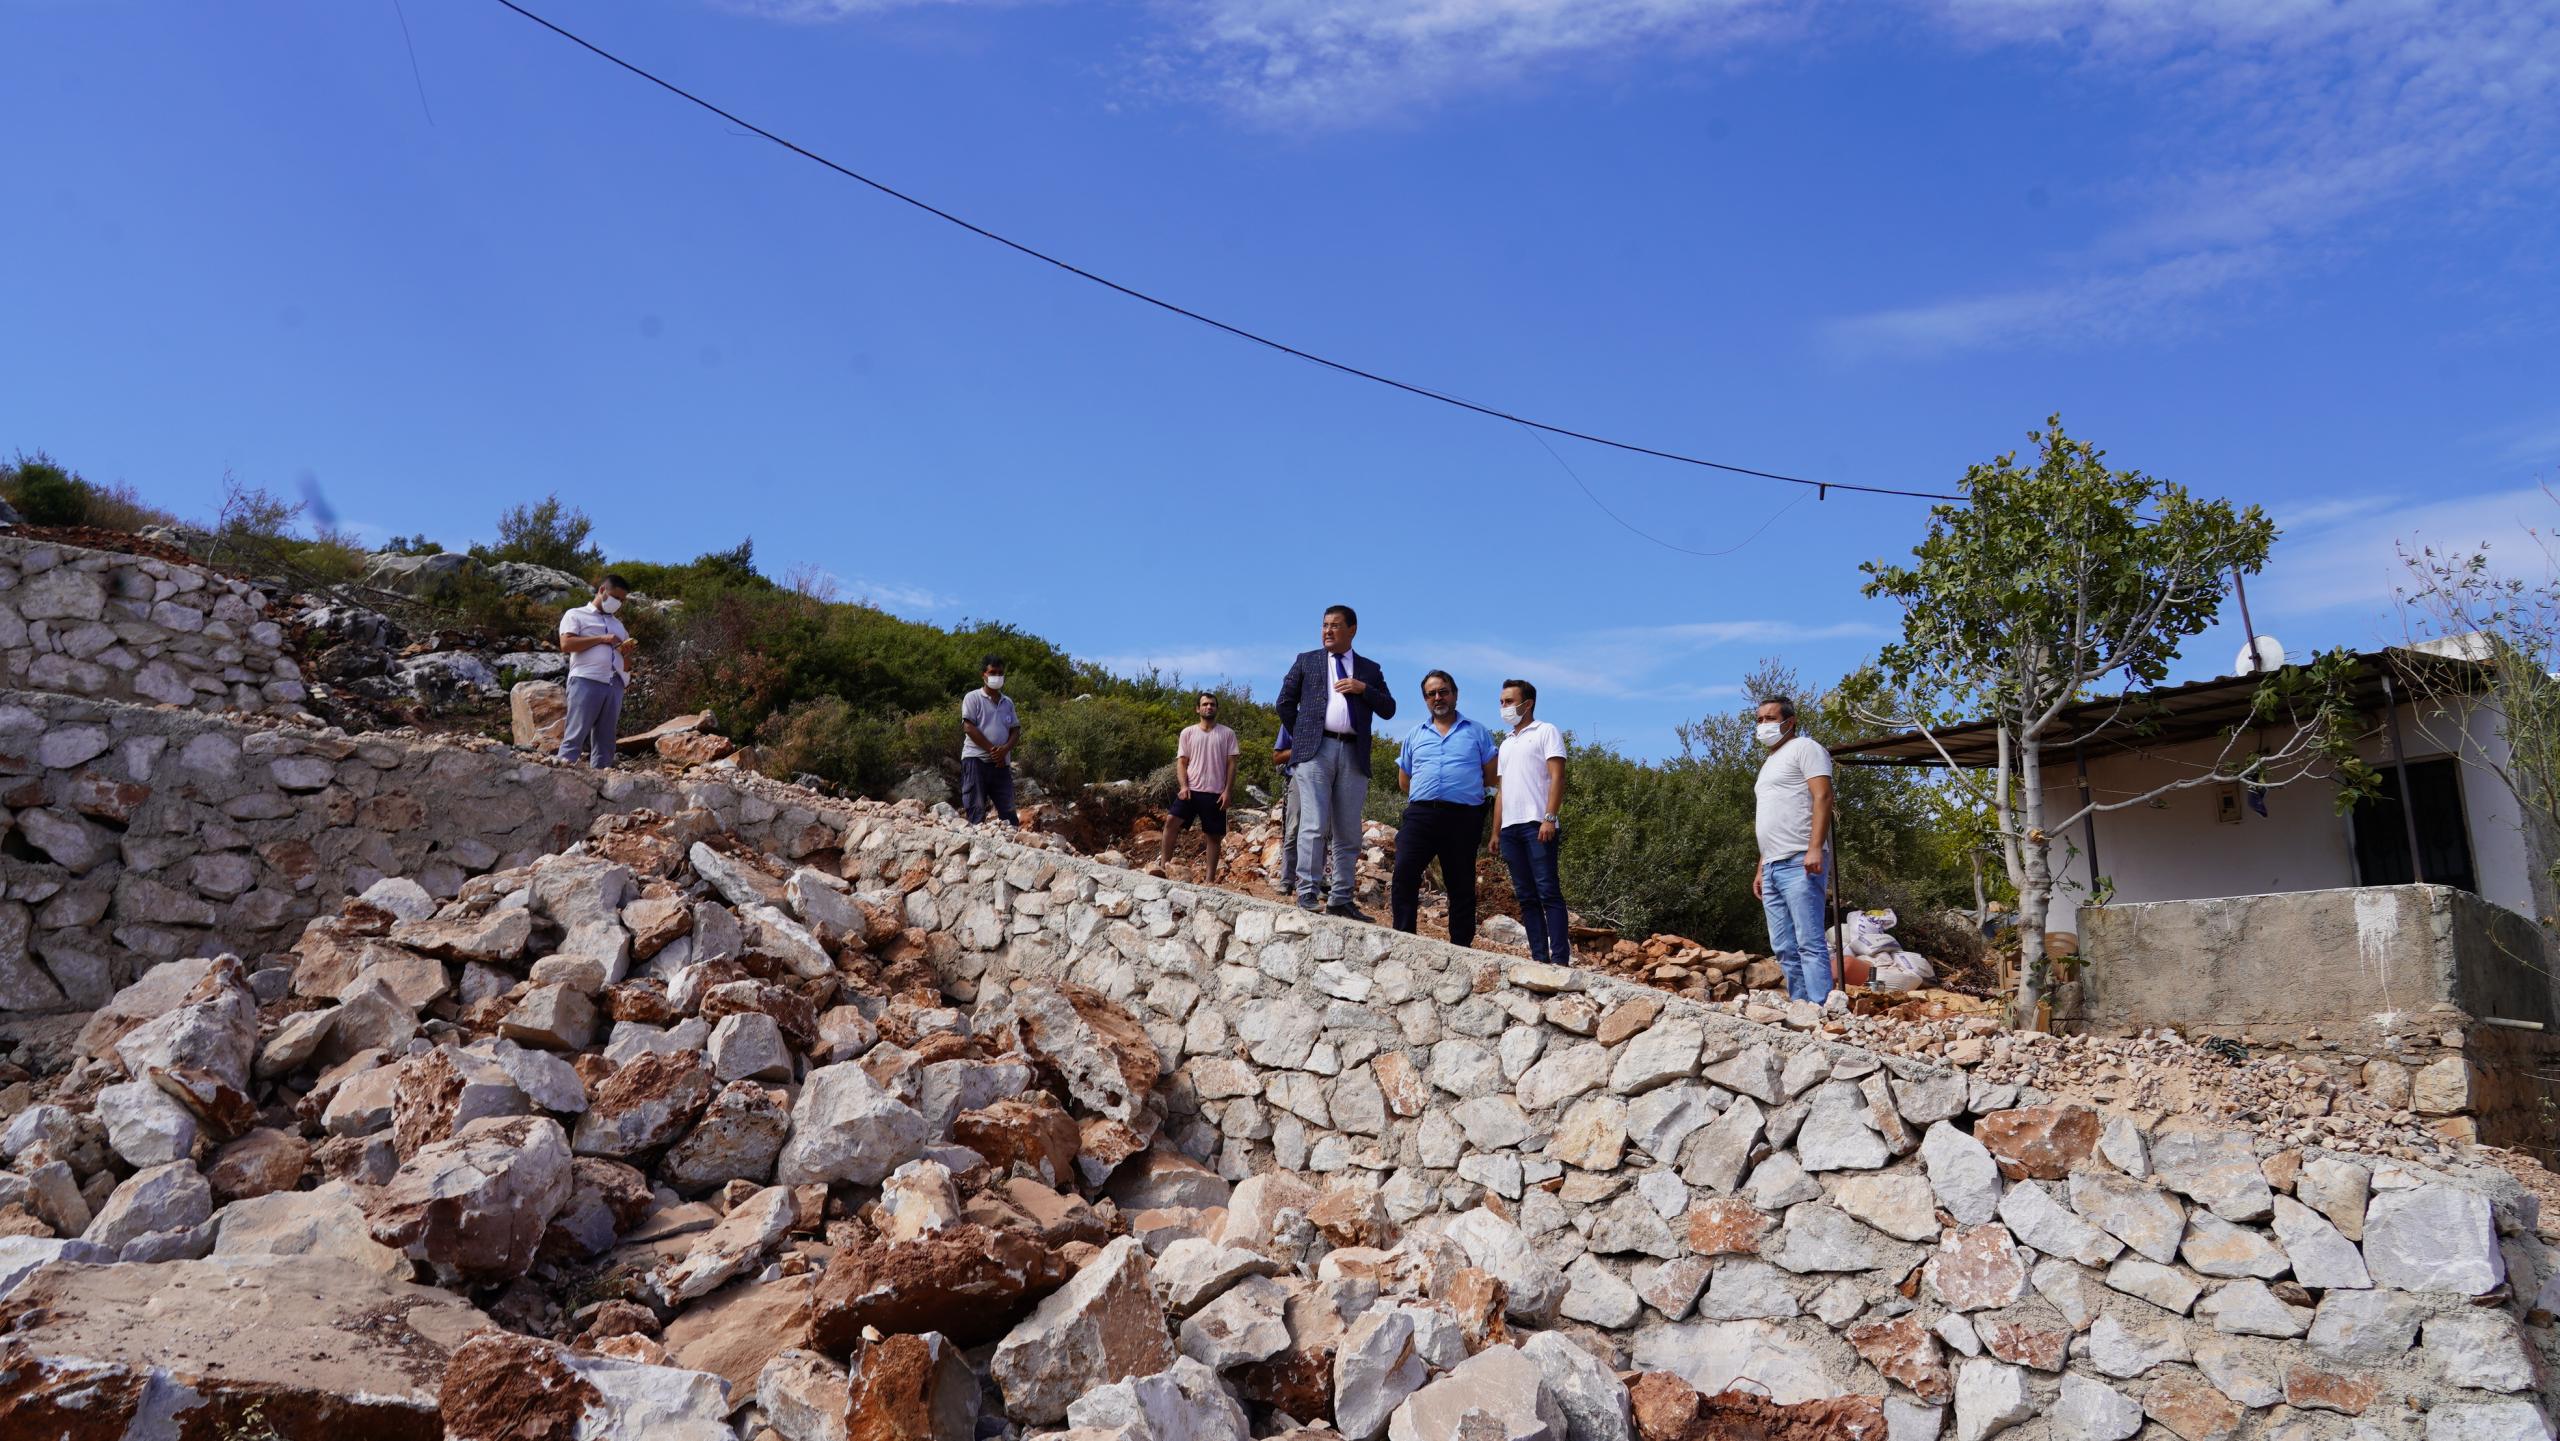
(599, 648)
(1531, 832)
(1794, 825)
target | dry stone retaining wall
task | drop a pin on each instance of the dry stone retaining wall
(1746, 1205)
(1751, 1205)
(135, 628)
(133, 835)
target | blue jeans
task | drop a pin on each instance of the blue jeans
(1793, 901)
(1535, 885)
(984, 783)
(1332, 791)
(595, 714)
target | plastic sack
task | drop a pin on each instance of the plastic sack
(1902, 970)
(1870, 933)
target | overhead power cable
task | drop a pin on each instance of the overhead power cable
(1238, 331)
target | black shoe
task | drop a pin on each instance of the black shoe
(1307, 903)
(1349, 913)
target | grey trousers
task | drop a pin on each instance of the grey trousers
(594, 718)
(1331, 793)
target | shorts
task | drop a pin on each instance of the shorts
(1202, 807)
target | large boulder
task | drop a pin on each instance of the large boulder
(964, 1281)
(1101, 1327)
(538, 582)
(538, 711)
(504, 1387)
(261, 1345)
(424, 576)
(475, 1207)
(845, 1127)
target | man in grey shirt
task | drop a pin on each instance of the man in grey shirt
(989, 733)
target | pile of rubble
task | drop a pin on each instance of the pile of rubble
(1684, 967)
(656, 1138)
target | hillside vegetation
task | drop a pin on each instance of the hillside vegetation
(862, 699)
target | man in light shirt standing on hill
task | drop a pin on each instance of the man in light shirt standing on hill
(989, 731)
(1794, 825)
(1204, 771)
(1530, 774)
(598, 647)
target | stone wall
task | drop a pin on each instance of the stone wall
(133, 628)
(1748, 1204)
(131, 835)
(1745, 1204)
(2427, 997)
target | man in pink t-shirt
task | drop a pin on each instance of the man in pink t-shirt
(1204, 771)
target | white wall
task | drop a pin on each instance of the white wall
(2174, 849)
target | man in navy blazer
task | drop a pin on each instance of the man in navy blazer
(1329, 700)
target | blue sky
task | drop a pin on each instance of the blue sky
(2305, 254)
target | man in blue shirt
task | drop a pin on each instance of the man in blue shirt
(1446, 765)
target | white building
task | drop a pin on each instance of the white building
(2424, 718)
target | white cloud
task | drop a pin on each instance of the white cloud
(2352, 560)
(1335, 62)
(894, 595)
(2282, 120)
(1205, 665)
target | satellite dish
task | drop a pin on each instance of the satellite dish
(2259, 657)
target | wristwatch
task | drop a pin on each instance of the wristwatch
(1551, 818)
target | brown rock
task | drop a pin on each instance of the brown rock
(1406, 1092)
(305, 1345)
(1727, 1226)
(641, 1000)
(645, 1105)
(1109, 1065)
(1479, 1299)
(1626, 1018)
(2020, 1344)
(537, 713)
(553, 1017)
(2041, 1143)
(912, 1388)
(1665, 1407)
(697, 748)
(1353, 1214)
(1978, 1269)
(1904, 1350)
(2319, 1390)
(1027, 1135)
(1297, 1383)
(504, 1387)
(658, 917)
(964, 1281)
(791, 1011)
(259, 1162)
(2190, 1406)
(734, 1331)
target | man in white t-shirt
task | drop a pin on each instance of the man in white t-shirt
(599, 650)
(1793, 819)
(1530, 829)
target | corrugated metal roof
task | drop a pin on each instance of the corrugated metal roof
(2169, 716)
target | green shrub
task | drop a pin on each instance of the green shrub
(826, 738)
(545, 533)
(1077, 743)
(45, 494)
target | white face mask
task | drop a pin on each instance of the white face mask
(609, 604)
(1511, 717)
(994, 682)
(1769, 733)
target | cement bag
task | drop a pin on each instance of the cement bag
(1901, 970)
(1870, 933)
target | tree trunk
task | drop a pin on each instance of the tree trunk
(1981, 904)
(2035, 888)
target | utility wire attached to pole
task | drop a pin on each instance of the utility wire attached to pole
(1212, 322)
